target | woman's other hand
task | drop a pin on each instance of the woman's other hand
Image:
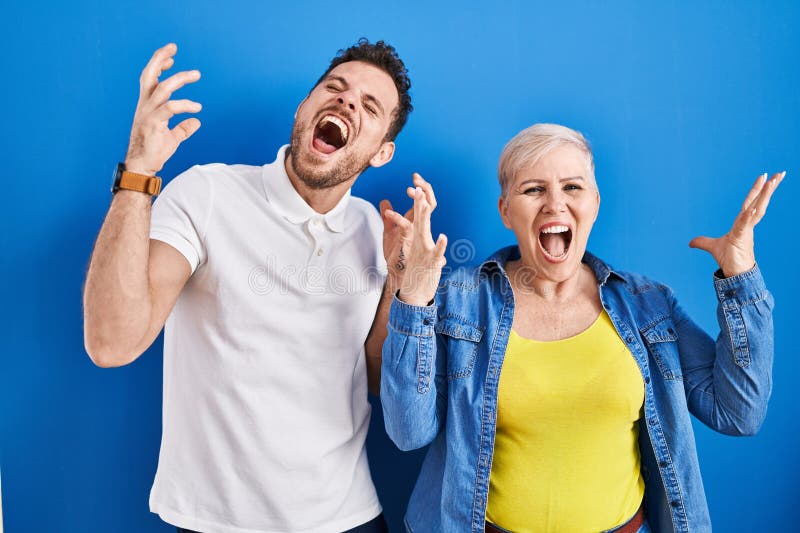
(423, 261)
(734, 251)
(398, 232)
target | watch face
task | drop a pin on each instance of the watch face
(117, 176)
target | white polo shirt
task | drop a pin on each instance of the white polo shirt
(265, 388)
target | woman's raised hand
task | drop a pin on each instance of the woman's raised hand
(420, 258)
(734, 251)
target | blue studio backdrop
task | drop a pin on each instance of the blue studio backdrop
(685, 104)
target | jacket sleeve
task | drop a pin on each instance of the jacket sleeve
(413, 378)
(728, 383)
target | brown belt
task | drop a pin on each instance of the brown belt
(631, 526)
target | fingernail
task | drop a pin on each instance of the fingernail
(783, 174)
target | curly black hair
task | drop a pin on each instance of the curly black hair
(385, 57)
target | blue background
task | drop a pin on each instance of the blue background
(685, 105)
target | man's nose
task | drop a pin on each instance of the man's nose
(347, 99)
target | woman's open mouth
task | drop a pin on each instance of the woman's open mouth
(330, 134)
(554, 240)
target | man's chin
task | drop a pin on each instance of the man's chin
(317, 171)
(323, 174)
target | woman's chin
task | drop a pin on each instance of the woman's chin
(548, 267)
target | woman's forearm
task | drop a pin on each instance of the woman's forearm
(729, 382)
(413, 391)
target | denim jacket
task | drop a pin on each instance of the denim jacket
(441, 367)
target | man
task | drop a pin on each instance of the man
(268, 279)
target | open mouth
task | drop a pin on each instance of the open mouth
(554, 240)
(330, 134)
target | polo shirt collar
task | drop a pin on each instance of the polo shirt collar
(285, 199)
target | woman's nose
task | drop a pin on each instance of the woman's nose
(554, 202)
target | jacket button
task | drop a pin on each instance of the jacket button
(652, 421)
(647, 380)
(629, 339)
(427, 321)
(662, 464)
(731, 293)
(675, 503)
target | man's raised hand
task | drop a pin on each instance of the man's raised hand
(152, 141)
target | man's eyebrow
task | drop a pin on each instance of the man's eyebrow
(368, 97)
(562, 180)
(334, 77)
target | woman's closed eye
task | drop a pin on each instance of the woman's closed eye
(533, 190)
(538, 189)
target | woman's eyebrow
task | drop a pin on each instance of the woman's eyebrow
(562, 180)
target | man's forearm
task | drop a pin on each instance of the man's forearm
(116, 298)
(377, 334)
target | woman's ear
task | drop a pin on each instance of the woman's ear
(502, 206)
(597, 209)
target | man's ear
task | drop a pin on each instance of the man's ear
(383, 155)
(299, 106)
(502, 206)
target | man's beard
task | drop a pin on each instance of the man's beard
(315, 177)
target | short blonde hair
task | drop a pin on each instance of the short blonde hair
(531, 144)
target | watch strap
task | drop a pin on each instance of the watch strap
(139, 182)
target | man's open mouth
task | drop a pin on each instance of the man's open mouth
(554, 241)
(330, 134)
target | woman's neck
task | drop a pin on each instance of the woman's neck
(527, 281)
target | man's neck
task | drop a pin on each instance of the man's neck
(320, 200)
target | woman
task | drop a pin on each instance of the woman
(554, 390)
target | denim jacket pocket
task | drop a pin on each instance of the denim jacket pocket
(661, 339)
(461, 338)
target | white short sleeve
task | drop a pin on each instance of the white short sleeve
(180, 215)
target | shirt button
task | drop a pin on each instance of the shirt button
(652, 421)
(731, 293)
(629, 339)
(319, 252)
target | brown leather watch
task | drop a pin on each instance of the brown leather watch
(130, 181)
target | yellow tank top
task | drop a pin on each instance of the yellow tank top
(566, 454)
